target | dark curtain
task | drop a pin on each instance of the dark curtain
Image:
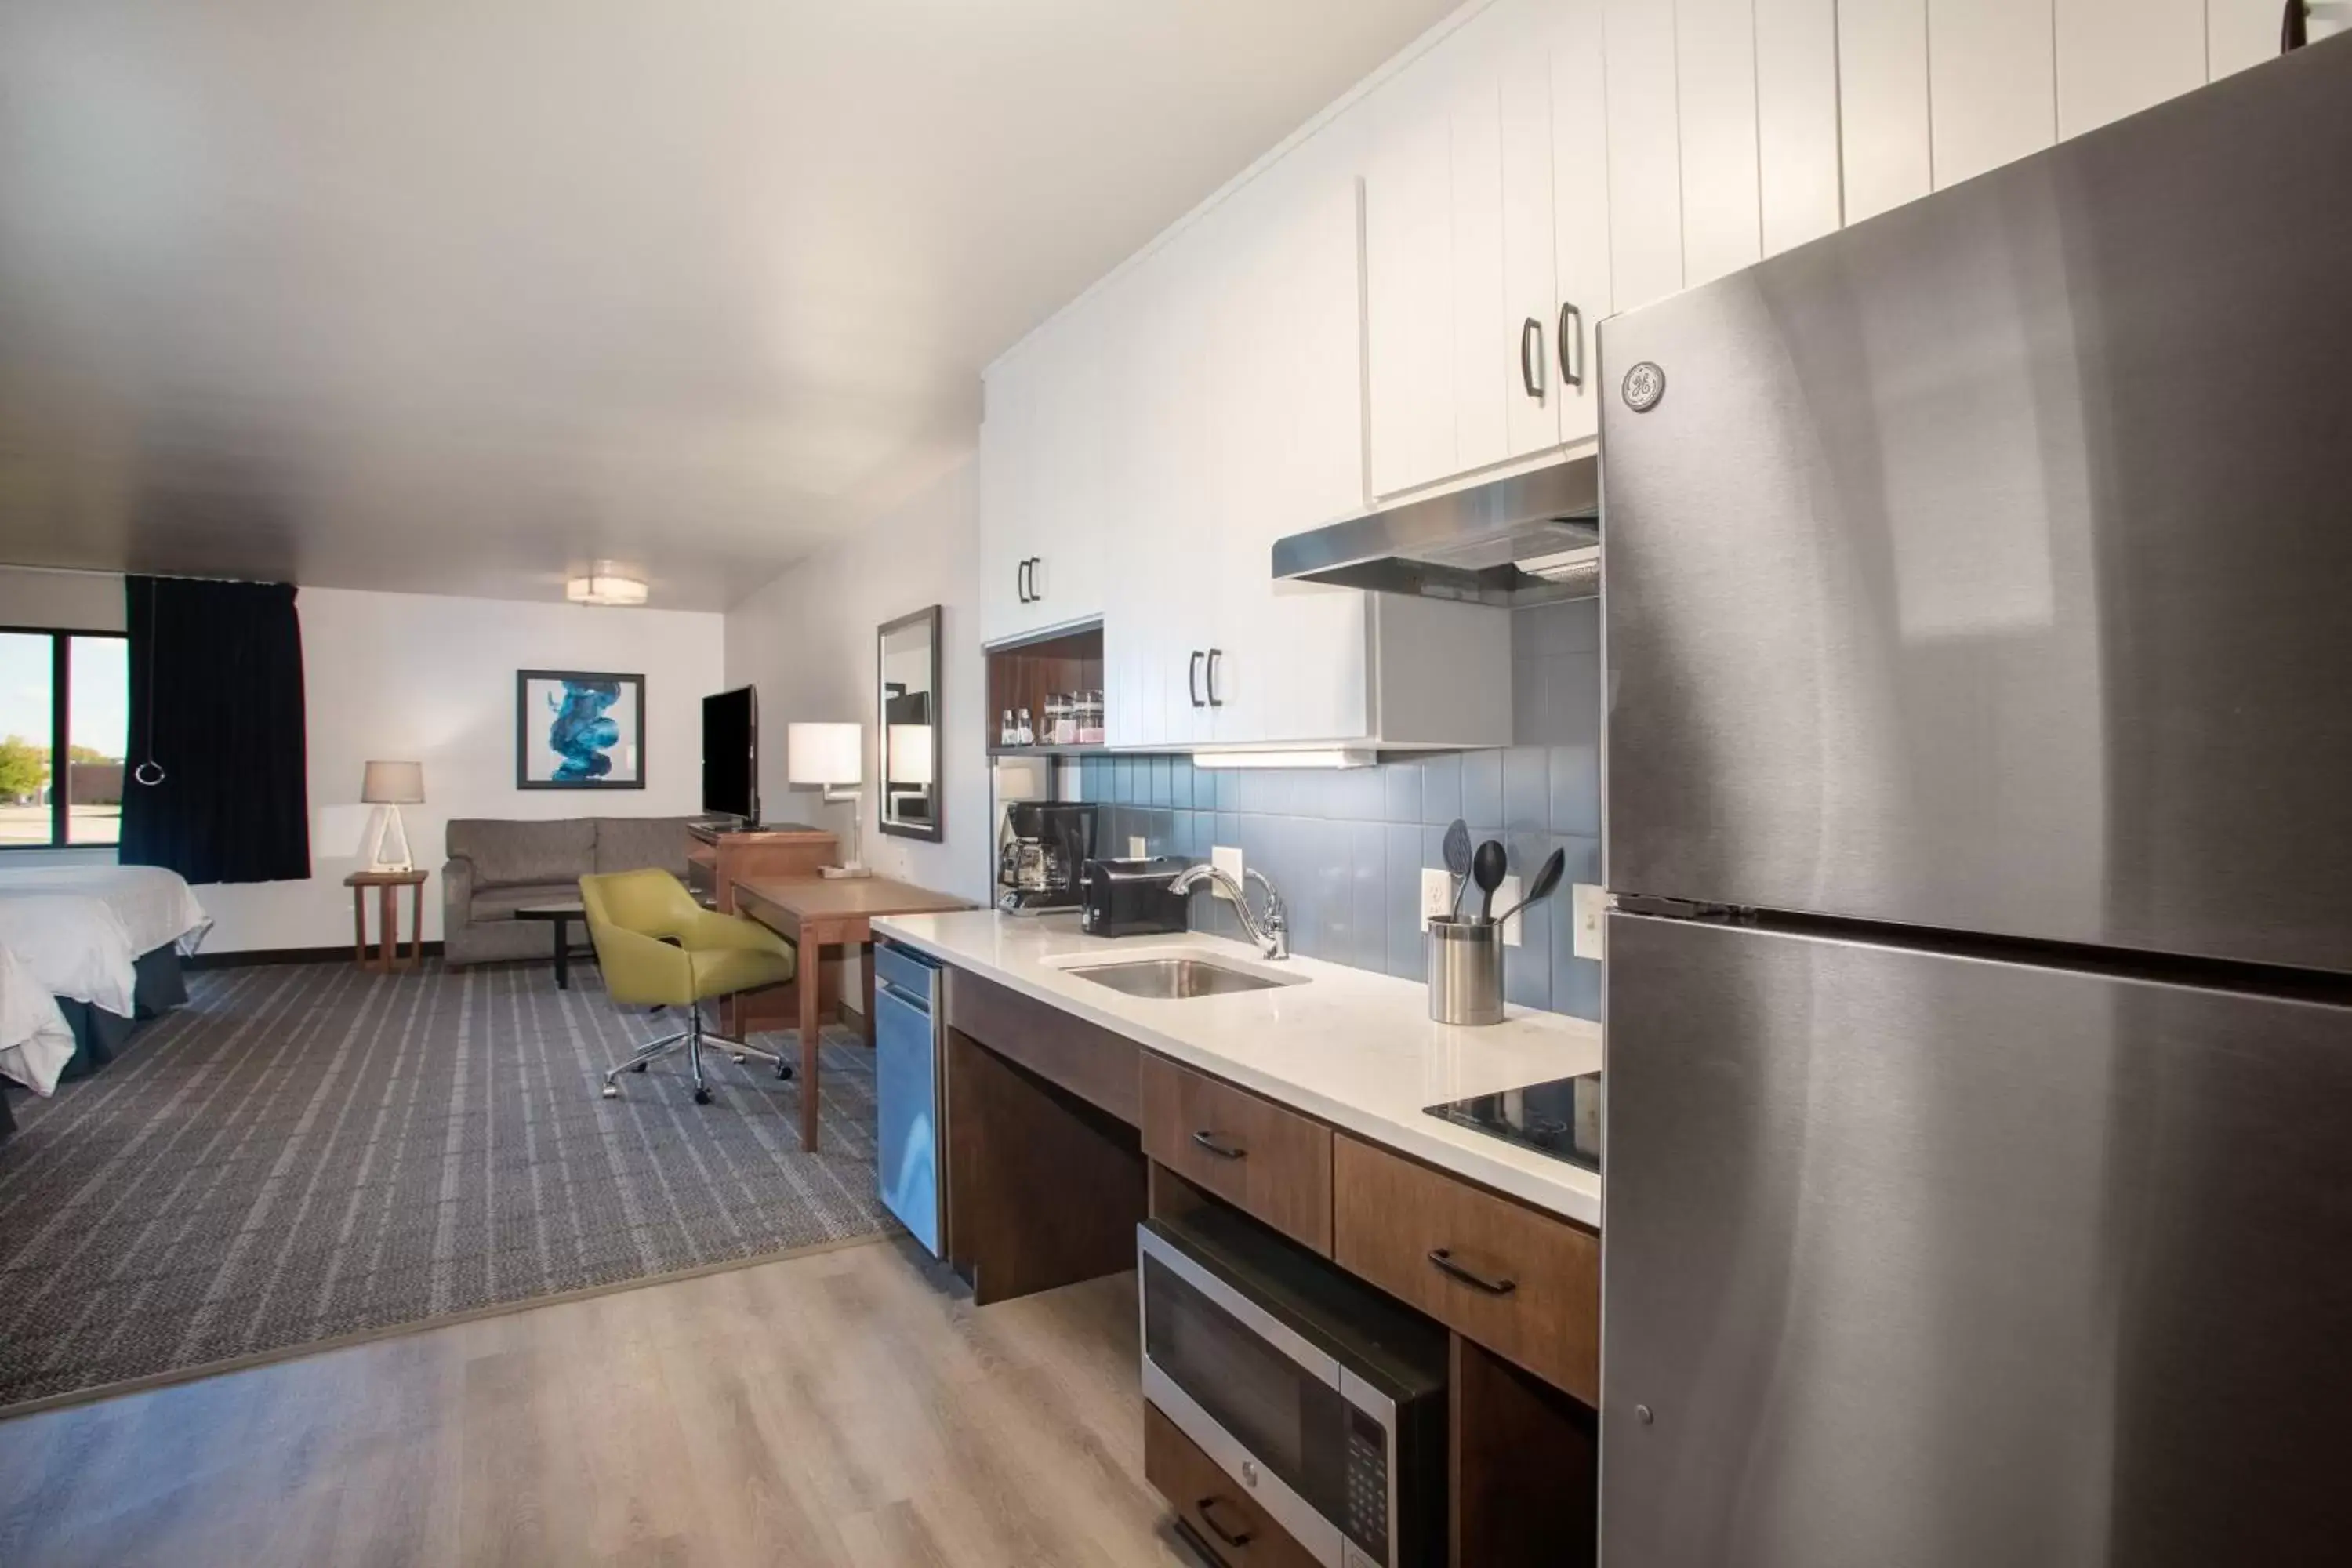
(217, 709)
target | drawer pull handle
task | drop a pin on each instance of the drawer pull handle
(1230, 1537)
(1219, 1147)
(1443, 1260)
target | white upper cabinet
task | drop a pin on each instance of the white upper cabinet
(1580, 210)
(1799, 194)
(1993, 94)
(1043, 480)
(1714, 73)
(1407, 298)
(1882, 104)
(1646, 176)
(2118, 56)
(1409, 282)
(2242, 33)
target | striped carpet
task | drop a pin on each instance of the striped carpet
(306, 1152)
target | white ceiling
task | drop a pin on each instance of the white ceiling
(456, 295)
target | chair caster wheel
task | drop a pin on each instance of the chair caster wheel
(612, 1091)
(638, 1067)
(740, 1057)
(783, 1072)
(701, 1097)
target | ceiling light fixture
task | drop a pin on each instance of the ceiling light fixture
(604, 586)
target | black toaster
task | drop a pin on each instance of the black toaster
(1133, 898)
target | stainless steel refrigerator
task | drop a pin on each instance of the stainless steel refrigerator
(1979, 639)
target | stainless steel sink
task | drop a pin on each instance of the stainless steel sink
(1169, 978)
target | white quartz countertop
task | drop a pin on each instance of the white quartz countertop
(1355, 1049)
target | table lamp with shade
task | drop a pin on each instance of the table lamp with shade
(832, 756)
(388, 786)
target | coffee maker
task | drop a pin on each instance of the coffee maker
(1040, 846)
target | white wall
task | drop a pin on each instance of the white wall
(61, 600)
(809, 641)
(433, 679)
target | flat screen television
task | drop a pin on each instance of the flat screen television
(730, 755)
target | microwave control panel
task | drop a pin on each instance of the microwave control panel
(1367, 1524)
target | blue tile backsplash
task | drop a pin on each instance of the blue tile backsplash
(1347, 847)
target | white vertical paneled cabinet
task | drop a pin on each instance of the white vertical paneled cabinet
(1799, 193)
(1041, 481)
(1407, 298)
(1715, 79)
(1580, 209)
(2118, 56)
(1993, 94)
(1883, 142)
(1646, 176)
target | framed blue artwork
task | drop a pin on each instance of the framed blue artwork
(579, 729)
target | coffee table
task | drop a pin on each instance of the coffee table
(561, 916)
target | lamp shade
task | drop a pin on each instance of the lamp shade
(910, 753)
(393, 784)
(825, 753)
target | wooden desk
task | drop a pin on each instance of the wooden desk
(813, 913)
(716, 861)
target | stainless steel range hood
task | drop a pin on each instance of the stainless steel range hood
(1529, 539)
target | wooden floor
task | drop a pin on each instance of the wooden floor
(837, 1408)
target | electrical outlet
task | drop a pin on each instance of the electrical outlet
(1228, 859)
(1506, 895)
(1436, 893)
(1136, 848)
(1589, 903)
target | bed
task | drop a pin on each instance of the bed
(105, 942)
(36, 1043)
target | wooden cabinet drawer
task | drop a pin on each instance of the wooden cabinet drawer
(1217, 1510)
(1526, 1285)
(1250, 1151)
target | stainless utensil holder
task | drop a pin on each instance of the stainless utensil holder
(1465, 971)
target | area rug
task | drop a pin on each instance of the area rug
(308, 1151)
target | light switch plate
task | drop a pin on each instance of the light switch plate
(1137, 847)
(1225, 857)
(1436, 892)
(1591, 903)
(1507, 893)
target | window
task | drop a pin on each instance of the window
(62, 694)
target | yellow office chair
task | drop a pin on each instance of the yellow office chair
(659, 948)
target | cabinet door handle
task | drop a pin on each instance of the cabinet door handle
(1219, 1147)
(1037, 594)
(1216, 656)
(1531, 356)
(1230, 1537)
(1193, 676)
(1021, 581)
(1443, 1260)
(1567, 377)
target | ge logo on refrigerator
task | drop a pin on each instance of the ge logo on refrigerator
(1644, 384)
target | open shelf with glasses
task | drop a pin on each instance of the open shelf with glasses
(1029, 675)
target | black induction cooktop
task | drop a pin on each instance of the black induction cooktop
(1561, 1118)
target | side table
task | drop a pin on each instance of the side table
(561, 916)
(387, 885)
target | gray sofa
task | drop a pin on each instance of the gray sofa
(496, 867)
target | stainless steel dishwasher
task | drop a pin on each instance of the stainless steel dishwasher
(907, 1018)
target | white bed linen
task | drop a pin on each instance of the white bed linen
(80, 929)
(35, 1043)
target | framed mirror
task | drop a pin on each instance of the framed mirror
(909, 707)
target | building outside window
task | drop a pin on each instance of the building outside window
(65, 721)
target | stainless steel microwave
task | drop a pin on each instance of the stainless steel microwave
(1324, 1400)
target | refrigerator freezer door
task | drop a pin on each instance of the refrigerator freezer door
(1946, 1262)
(1989, 565)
